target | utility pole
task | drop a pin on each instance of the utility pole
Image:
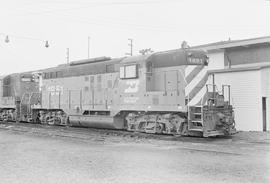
(131, 47)
(67, 55)
(88, 47)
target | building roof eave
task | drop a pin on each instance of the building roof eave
(233, 43)
(239, 69)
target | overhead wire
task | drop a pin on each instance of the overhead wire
(103, 22)
(92, 4)
(119, 24)
(109, 2)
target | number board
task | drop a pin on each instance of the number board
(195, 61)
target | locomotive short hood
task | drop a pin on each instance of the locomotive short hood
(169, 58)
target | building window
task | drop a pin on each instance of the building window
(149, 67)
(26, 79)
(129, 71)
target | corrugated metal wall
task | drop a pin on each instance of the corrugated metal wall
(246, 97)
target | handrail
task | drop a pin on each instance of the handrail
(229, 92)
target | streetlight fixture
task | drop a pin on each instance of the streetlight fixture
(7, 39)
(47, 44)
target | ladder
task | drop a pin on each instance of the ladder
(195, 118)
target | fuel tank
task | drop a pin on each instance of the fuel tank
(97, 121)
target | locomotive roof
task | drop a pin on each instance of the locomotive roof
(138, 58)
(91, 60)
(2, 77)
(16, 74)
(165, 58)
(83, 63)
(83, 68)
(102, 65)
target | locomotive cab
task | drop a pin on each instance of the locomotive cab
(155, 98)
(156, 82)
(17, 91)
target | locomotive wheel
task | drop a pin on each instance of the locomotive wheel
(159, 128)
(141, 126)
(167, 129)
(49, 120)
(68, 124)
(131, 127)
(57, 121)
(184, 129)
(150, 127)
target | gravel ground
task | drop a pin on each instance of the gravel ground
(30, 153)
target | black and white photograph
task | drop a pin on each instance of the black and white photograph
(135, 91)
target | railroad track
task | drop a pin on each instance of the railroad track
(96, 136)
(94, 133)
(76, 132)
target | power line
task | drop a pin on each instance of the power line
(123, 25)
(126, 23)
(93, 4)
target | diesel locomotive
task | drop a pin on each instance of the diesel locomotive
(168, 92)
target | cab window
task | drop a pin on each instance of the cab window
(129, 71)
(26, 79)
(149, 67)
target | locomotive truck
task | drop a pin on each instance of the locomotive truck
(164, 92)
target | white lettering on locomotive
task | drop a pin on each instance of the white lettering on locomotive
(133, 86)
(131, 100)
(55, 90)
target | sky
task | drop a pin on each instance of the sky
(157, 24)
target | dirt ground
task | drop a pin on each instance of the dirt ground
(42, 154)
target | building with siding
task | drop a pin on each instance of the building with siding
(245, 66)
